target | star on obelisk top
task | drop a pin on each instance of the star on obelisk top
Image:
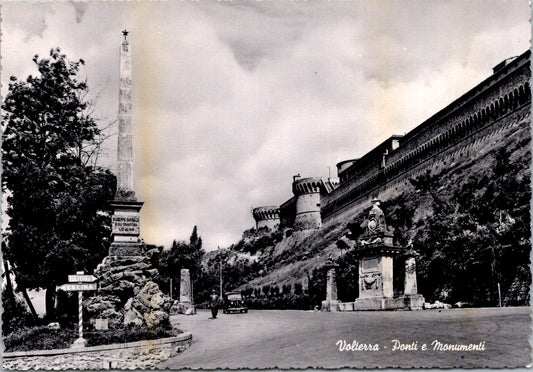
(125, 33)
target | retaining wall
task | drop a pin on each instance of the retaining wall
(132, 355)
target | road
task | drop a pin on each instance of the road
(300, 339)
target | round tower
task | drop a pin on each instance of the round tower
(307, 192)
(266, 216)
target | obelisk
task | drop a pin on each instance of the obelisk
(125, 150)
(127, 291)
(126, 208)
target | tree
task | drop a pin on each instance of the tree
(57, 196)
(181, 255)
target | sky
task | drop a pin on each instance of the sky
(233, 98)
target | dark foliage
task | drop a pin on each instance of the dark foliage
(181, 255)
(44, 338)
(14, 314)
(478, 236)
(57, 197)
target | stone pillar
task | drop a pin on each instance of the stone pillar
(331, 288)
(185, 304)
(410, 287)
(185, 286)
(410, 296)
(386, 272)
(331, 303)
(125, 152)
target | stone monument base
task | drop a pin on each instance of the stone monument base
(125, 249)
(414, 302)
(404, 302)
(330, 305)
(346, 306)
(186, 308)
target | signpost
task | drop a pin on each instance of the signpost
(79, 283)
(81, 278)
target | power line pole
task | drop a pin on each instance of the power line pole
(221, 278)
(220, 267)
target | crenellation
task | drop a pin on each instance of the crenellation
(266, 217)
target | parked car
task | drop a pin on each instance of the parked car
(233, 302)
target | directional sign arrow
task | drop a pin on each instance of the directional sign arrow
(70, 287)
(81, 278)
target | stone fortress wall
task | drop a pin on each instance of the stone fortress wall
(499, 102)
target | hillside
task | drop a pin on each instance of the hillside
(470, 186)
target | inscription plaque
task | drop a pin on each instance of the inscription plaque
(126, 225)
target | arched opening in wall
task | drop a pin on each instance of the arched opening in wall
(496, 110)
(514, 98)
(483, 115)
(502, 106)
(492, 111)
(456, 130)
(506, 103)
(528, 91)
(521, 95)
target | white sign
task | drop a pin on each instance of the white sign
(70, 287)
(81, 278)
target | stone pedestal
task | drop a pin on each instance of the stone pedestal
(375, 283)
(126, 228)
(79, 343)
(330, 305)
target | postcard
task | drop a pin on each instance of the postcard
(258, 184)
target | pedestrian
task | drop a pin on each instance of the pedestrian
(213, 304)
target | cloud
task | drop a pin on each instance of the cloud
(232, 99)
(80, 8)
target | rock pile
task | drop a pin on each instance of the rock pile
(128, 295)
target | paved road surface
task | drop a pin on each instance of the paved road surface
(302, 339)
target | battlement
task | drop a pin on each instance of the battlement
(267, 216)
(309, 185)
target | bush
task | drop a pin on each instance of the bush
(44, 338)
(39, 338)
(131, 334)
(15, 314)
